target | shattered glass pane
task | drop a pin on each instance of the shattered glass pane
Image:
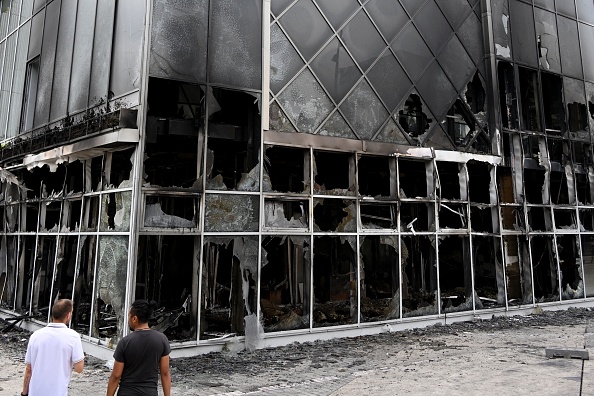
(489, 283)
(364, 111)
(377, 216)
(285, 283)
(43, 273)
(518, 272)
(65, 268)
(333, 173)
(26, 258)
(577, 113)
(179, 39)
(337, 126)
(587, 251)
(411, 50)
(108, 318)
(306, 27)
(419, 277)
(235, 43)
(231, 212)
(376, 176)
(288, 169)
(284, 60)
(116, 209)
(334, 215)
(305, 102)
(544, 264)
(548, 45)
(380, 278)
(229, 274)
(455, 278)
(9, 271)
(171, 212)
(389, 80)
(388, 15)
(90, 213)
(286, 214)
(337, 11)
(336, 70)
(278, 120)
(71, 212)
(414, 217)
(167, 272)
(362, 40)
(570, 51)
(335, 281)
(83, 288)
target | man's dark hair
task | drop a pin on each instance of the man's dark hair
(142, 309)
(61, 308)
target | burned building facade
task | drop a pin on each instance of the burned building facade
(279, 170)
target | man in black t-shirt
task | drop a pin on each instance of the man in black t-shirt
(140, 356)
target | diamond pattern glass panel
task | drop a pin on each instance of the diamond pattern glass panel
(305, 102)
(337, 126)
(568, 44)
(389, 80)
(388, 15)
(546, 29)
(433, 26)
(284, 60)
(338, 11)
(336, 70)
(364, 110)
(412, 6)
(436, 90)
(471, 36)
(411, 50)
(455, 10)
(306, 27)
(278, 6)
(391, 134)
(362, 40)
(456, 63)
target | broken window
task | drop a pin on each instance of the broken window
(419, 276)
(449, 180)
(74, 178)
(71, 212)
(376, 178)
(586, 219)
(174, 135)
(530, 99)
(288, 169)
(374, 216)
(539, 218)
(531, 147)
(109, 312)
(118, 169)
(93, 172)
(90, 213)
(335, 281)
(231, 212)
(508, 100)
(564, 219)
(413, 178)
(559, 188)
(380, 278)
(546, 281)
(286, 213)
(26, 257)
(43, 272)
(582, 155)
(577, 113)
(116, 209)
(233, 141)
(50, 216)
(8, 271)
(83, 284)
(483, 218)
(587, 250)
(285, 283)
(479, 182)
(455, 278)
(229, 289)
(552, 97)
(65, 268)
(518, 272)
(555, 147)
(164, 211)
(512, 217)
(534, 185)
(583, 187)
(336, 215)
(453, 216)
(505, 184)
(488, 272)
(13, 212)
(412, 119)
(334, 173)
(572, 285)
(415, 217)
(461, 124)
(30, 216)
(167, 271)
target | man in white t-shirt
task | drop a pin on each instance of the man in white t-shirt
(52, 353)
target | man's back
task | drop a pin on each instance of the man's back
(141, 351)
(52, 351)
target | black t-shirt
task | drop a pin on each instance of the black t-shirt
(141, 351)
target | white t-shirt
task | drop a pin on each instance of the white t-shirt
(52, 351)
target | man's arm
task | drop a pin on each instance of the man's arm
(165, 375)
(78, 366)
(114, 378)
(27, 379)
